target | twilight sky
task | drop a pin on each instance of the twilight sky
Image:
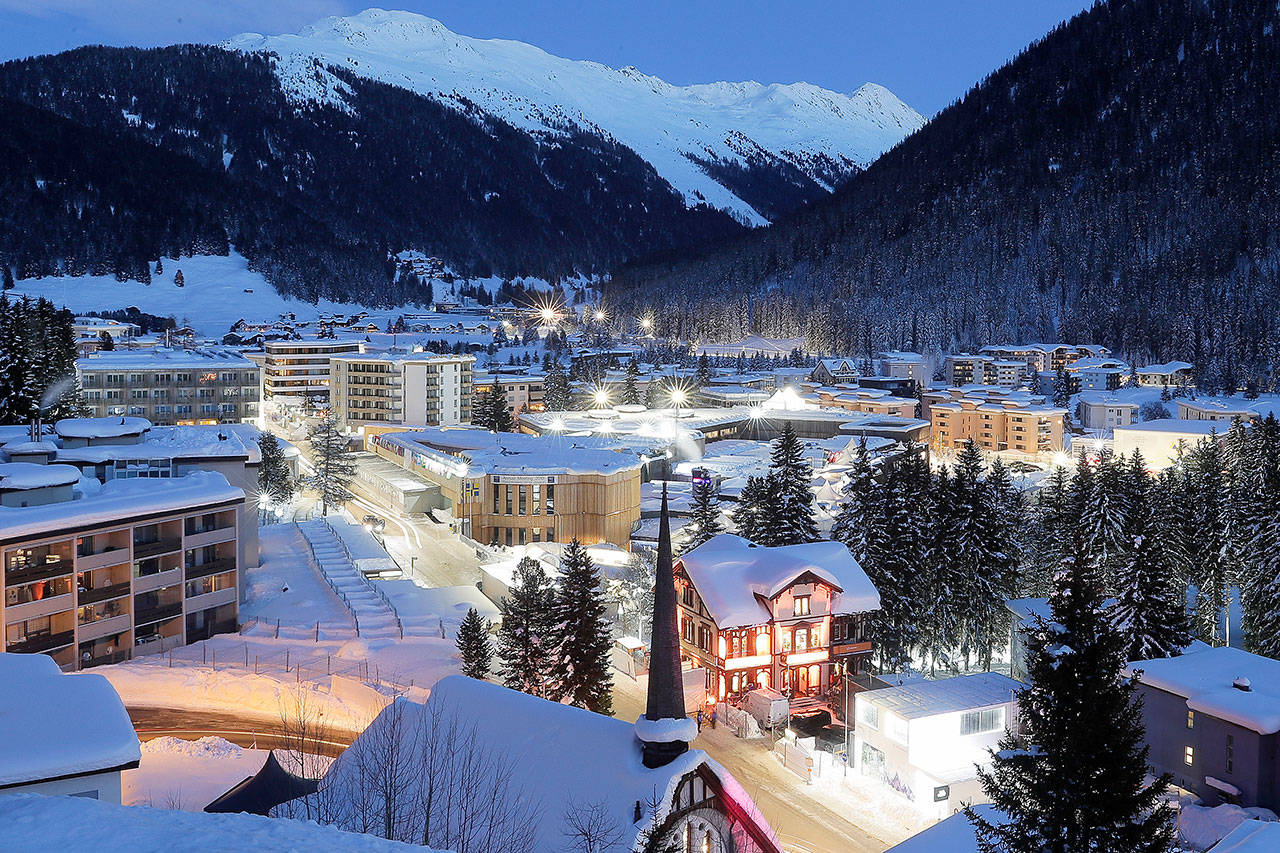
(928, 52)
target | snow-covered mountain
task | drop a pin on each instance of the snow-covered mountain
(701, 139)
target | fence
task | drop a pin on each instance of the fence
(298, 630)
(368, 583)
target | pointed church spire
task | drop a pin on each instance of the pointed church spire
(666, 684)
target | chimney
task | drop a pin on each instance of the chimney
(665, 700)
(1242, 683)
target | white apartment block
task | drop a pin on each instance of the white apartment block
(420, 388)
(170, 386)
(296, 371)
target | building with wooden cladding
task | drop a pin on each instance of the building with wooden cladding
(788, 617)
(514, 488)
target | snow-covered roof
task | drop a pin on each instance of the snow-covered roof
(24, 447)
(556, 757)
(101, 427)
(162, 358)
(518, 453)
(1165, 368)
(953, 835)
(731, 574)
(1105, 398)
(1176, 425)
(54, 725)
(177, 442)
(29, 475)
(118, 500)
(945, 695)
(1251, 836)
(35, 822)
(1206, 679)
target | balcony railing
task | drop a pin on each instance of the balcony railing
(147, 615)
(212, 567)
(102, 593)
(36, 572)
(43, 642)
(142, 551)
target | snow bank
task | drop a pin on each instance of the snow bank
(188, 775)
(31, 822)
(666, 731)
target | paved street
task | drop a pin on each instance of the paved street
(247, 731)
(803, 823)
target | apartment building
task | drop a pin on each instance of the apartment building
(1101, 411)
(400, 388)
(1215, 410)
(298, 371)
(170, 386)
(967, 369)
(515, 489)
(996, 420)
(525, 392)
(868, 400)
(131, 567)
(1169, 373)
(788, 618)
(1045, 357)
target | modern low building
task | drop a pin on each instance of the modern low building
(97, 573)
(170, 386)
(996, 420)
(417, 388)
(514, 489)
(901, 365)
(1045, 357)
(1164, 441)
(294, 372)
(1167, 374)
(867, 400)
(789, 618)
(62, 735)
(1222, 411)
(1212, 720)
(1104, 412)
(925, 739)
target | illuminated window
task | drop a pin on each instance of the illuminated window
(802, 605)
(1191, 719)
(1188, 755)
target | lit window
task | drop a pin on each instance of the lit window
(1191, 719)
(802, 605)
(1189, 755)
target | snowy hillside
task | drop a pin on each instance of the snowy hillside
(825, 135)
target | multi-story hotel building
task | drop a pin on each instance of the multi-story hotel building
(134, 566)
(788, 618)
(1042, 357)
(298, 371)
(420, 388)
(525, 392)
(996, 420)
(170, 386)
(514, 489)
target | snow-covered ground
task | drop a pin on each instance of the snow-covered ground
(188, 775)
(286, 588)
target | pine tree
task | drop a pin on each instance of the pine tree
(8, 276)
(179, 279)
(1062, 389)
(526, 640)
(1073, 778)
(159, 266)
(705, 517)
(630, 386)
(1150, 608)
(703, 376)
(895, 558)
(1104, 515)
(334, 467)
(556, 386)
(1208, 538)
(274, 481)
(473, 646)
(490, 411)
(749, 511)
(106, 343)
(852, 522)
(581, 667)
(788, 511)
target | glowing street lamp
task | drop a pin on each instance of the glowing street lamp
(646, 323)
(600, 315)
(678, 397)
(548, 314)
(601, 398)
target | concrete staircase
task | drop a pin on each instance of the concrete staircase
(375, 618)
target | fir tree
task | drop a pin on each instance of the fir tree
(106, 343)
(473, 645)
(1208, 538)
(630, 386)
(179, 279)
(1149, 613)
(159, 266)
(274, 481)
(526, 640)
(1104, 515)
(333, 463)
(581, 668)
(852, 522)
(1073, 778)
(703, 376)
(788, 510)
(705, 517)
(748, 513)
(556, 386)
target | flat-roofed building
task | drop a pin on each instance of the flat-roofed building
(516, 489)
(418, 388)
(97, 573)
(1171, 373)
(524, 391)
(298, 371)
(1105, 412)
(1215, 410)
(996, 420)
(1164, 441)
(968, 369)
(170, 386)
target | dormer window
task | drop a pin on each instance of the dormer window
(801, 605)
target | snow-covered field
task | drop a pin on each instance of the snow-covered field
(285, 587)
(188, 775)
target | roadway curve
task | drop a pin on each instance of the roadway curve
(248, 731)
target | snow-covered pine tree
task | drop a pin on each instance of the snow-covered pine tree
(473, 645)
(526, 639)
(106, 343)
(17, 375)
(1104, 515)
(581, 671)
(1149, 613)
(1051, 522)
(630, 385)
(556, 386)
(1074, 776)
(274, 481)
(334, 467)
(790, 510)
(705, 519)
(749, 511)
(852, 522)
(1207, 537)
(1258, 529)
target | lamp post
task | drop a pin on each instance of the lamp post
(678, 398)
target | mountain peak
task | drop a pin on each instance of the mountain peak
(685, 132)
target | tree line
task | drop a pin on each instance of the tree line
(37, 361)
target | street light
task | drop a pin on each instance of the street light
(600, 315)
(678, 397)
(601, 397)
